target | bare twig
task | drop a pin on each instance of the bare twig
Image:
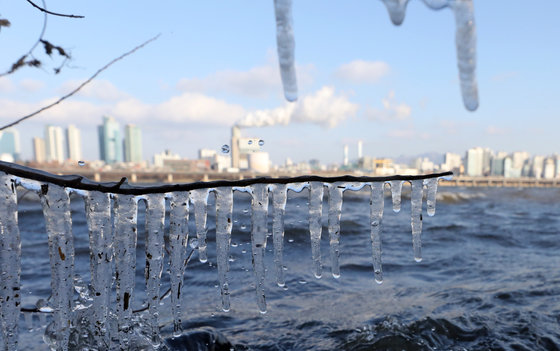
(53, 13)
(81, 85)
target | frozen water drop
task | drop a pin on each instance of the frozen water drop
(302, 281)
(250, 142)
(81, 163)
(234, 244)
(261, 142)
(243, 227)
(225, 149)
(290, 240)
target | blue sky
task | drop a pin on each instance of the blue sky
(395, 88)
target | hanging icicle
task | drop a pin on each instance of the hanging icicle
(377, 203)
(56, 210)
(315, 225)
(286, 46)
(224, 210)
(259, 233)
(335, 211)
(10, 263)
(279, 196)
(396, 189)
(416, 217)
(178, 239)
(199, 198)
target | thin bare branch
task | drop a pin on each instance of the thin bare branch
(81, 85)
(53, 13)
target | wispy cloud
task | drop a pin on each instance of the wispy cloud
(98, 89)
(493, 130)
(31, 85)
(362, 72)
(391, 111)
(505, 76)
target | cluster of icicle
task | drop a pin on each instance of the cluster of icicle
(112, 223)
(465, 41)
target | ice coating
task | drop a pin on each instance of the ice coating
(335, 211)
(224, 209)
(199, 198)
(396, 189)
(125, 237)
(98, 215)
(58, 222)
(397, 10)
(259, 230)
(155, 219)
(377, 203)
(416, 217)
(10, 263)
(431, 192)
(465, 41)
(315, 225)
(286, 45)
(279, 197)
(178, 239)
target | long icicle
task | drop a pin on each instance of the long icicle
(259, 231)
(431, 193)
(416, 217)
(377, 203)
(125, 236)
(178, 241)
(10, 263)
(56, 210)
(199, 198)
(224, 209)
(335, 211)
(98, 216)
(315, 225)
(286, 46)
(155, 221)
(279, 196)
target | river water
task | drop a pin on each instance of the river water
(489, 278)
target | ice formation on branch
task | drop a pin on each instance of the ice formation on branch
(465, 41)
(112, 213)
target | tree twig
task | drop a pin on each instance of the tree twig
(81, 85)
(52, 13)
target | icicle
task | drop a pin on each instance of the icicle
(10, 263)
(56, 210)
(199, 197)
(397, 10)
(126, 213)
(377, 203)
(431, 193)
(155, 219)
(178, 239)
(98, 215)
(315, 226)
(224, 208)
(436, 4)
(396, 188)
(416, 217)
(286, 45)
(335, 211)
(465, 40)
(279, 195)
(259, 214)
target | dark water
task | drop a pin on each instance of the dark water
(489, 279)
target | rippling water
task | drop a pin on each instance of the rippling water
(489, 280)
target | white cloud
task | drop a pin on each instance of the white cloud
(408, 134)
(99, 89)
(391, 110)
(359, 71)
(6, 85)
(257, 82)
(31, 85)
(323, 108)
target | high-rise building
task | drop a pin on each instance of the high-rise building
(54, 144)
(345, 156)
(110, 141)
(132, 143)
(9, 143)
(451, 162)
(235, 135)
(39, 150)
(474, 162)
(360, 145)
(73, 143)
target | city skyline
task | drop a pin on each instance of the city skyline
(395, 88)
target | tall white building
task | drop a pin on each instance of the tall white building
(9, 144)
(110, 141)
(73, 143)
(345, 159)
(451, 162)
(39, 150)
(54, 144)
(132, 143)
(474, 162)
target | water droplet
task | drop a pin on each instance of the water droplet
(261, 142)
(231, 259)
(243, 251)
(81, 163)
(193, 243)
(243, 227)
(225, 149)
(245, 210)
(290, 240)
(233, 244)
(302, 281)
(250, 142)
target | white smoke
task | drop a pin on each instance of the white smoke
(323, 108)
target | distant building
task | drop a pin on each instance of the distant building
(159, 159)
(537, 167)
(345, 156)
(132, 143)
(477, 162)
(110, 141)
(497, 165)
(549, 169)
(451, 162)
(73, 143)
(259, 162)
(54, 144)
(39, 150)
(9, 144)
